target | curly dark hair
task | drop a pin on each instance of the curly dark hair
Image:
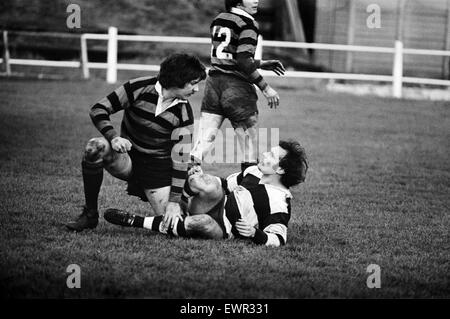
(179, 69)
(294, 163)
(231, 3)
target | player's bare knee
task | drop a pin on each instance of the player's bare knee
(242, 126)
(252, 121)
(203, 226)
(96, 149)
(198, 222)
(211, 137)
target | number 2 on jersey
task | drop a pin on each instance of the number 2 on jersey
(219, 51)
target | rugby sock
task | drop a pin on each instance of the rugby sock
(187, 190)
(138, 221)
(92, 181)
(179, 230)
(154, 223)
(248, 144)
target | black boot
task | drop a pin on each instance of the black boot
(87, 220)
(122, 218)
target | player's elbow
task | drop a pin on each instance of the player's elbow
(92, 114)
(245, 63)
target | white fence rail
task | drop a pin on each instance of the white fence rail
(112, 66)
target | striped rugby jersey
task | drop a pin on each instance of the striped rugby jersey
(234, 37)
(266, 207)
(156, 136)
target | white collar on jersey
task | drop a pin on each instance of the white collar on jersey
(283, 189)
(255, 171)
(159, 106)
(242, 13)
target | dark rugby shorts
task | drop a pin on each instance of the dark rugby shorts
(231, 97)
(148, 173)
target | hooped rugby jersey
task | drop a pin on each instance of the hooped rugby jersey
(264, 206)
(234, 37)
(151, 134)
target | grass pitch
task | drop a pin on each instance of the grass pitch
(377, 192)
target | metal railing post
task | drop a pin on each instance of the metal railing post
(350, 34)
(84, 57)
(6, 53)
(397, 72)
(111, 74)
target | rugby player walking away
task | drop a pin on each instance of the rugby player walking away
(230, 87)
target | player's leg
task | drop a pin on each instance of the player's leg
(98, 155)
(205, 209)
(158, 199)
(239, 100)
(211, 118)
(207, 206)
(151, 180)
(203, 226)
(247, 135)
(208, 193)
(198, 226)
(209, 125)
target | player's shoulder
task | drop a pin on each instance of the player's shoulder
(253, 170)
(251, 177)
(279, 199)
(143, 81)
(280, 190)
(231, 20)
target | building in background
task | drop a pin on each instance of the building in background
(425, 25)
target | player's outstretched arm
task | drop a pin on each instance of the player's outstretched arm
(273, 65)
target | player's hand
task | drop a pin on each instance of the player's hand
(273, 65)
(173, 213)
(195, 169)
(273, 99)
(120, 144)
(245, 229)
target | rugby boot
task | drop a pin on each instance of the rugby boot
(87, 220)
(119, 217)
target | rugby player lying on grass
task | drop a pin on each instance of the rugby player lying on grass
(252, 204)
